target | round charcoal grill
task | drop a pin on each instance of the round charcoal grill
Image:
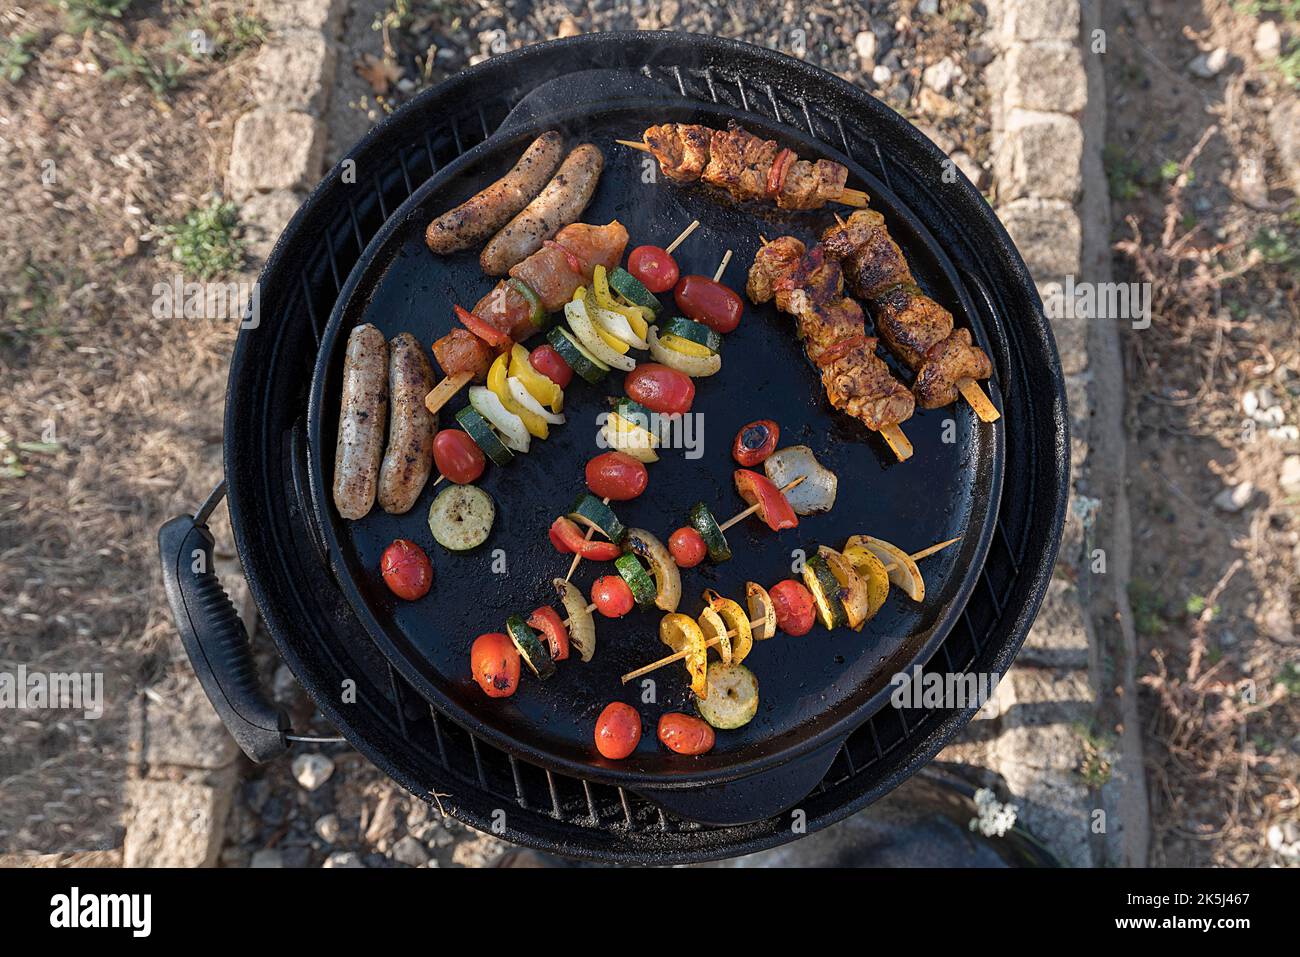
(350, 247)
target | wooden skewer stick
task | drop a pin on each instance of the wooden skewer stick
(897, 441)
(442, 393)
(679, 655)
(972, 393)
(590, 608)
(754, 508)
(635, 144)
(685, 232)
(854, 197)
(577, 556)
(722, 266)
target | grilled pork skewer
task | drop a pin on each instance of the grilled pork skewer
(808, 285)
(550, 275)
(916, 329)
(746, 166)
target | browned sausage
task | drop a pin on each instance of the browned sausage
(411, 426)
(558, 205)
(484, 213)
(362, 415)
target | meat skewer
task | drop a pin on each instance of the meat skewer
(809, 286)
(541, 283)
(746, 166)
(916, 329)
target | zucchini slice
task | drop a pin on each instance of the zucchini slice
(579, 359)
(530, 647)
(825, 589)
(461, 517)
(702, 520)
(732, 699)
(631, 289)
(582, 626)
(592, 512)
(478, 429)
(637, 578)
(853, 590)
(635, 413)
(692, 331)
(668, 579)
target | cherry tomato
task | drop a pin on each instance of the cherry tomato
(687, 547)
(612, 596)
(755, 442)
(709, 302)
(685, 734)
(552, 365)
(616, 476)
(618, 731)
(406, 570)
(458, 456)
(794, 607)
(494, 662)
(654, 267)
(660, 389)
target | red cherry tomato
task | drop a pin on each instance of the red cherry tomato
(687, 547)
(406, 570)
(685, 734)
(618, 731)
(755, 442)
(659, 388)
(616, 476)
(458, 456)
(494, 663)
(552, 365)
(654, 267)
(612, 596)
(709, 302)
(794, 607)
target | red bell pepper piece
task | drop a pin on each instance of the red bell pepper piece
(567, 537)
(773, 509)
(547, 620)
(483, 329)
(838, 350)
(778, 170)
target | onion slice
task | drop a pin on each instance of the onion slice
(816, 493)
(694, 366)
(519, 392)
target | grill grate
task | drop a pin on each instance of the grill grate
(568, 813)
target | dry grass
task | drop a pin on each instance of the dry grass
(128, 406)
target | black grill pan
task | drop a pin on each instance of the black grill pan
(816, 689)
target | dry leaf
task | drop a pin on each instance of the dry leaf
(379, 72)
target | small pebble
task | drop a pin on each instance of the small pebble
(410, 852)
(1268, 40)
(327, 828)
(1209, 65)
(1290, 477)
(880, 75)
(267, 857)
(344, 859)
(312, 770)
(865, 45)
(939, 76)
(927, 8)
(1234, 499)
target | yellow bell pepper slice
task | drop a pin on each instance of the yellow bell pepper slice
(679, 633)
(496, 381)
(685, 346)
(539, 387)
(605, 299)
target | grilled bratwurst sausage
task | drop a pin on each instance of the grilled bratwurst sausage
(361, 422)
(484, 213)
(558, 205)
(411, 426)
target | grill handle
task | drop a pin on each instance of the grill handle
(215, 638)
(749, 799)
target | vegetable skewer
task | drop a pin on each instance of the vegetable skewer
(718, 639)
(741, 516)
